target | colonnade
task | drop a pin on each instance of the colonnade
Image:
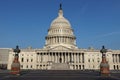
(116, 61)
(116, 58)
(60, 57)
(78, 67)
(60, 39)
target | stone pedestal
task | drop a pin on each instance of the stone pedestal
(15, 67)
(104, 68)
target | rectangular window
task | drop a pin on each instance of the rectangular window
(31, 60)
(27, 66)
(22, 59)
(88, 60)
(31, 66)
(27, 60)
(21, 66)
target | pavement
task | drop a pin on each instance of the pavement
(57, 75)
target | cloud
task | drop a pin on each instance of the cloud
(105, 37)
(110, 34)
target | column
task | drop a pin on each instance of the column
(42, 57)
(52, 57)
(78, 57)
(55, 57)
(64, 39)
(65, 58)
(68, 57)
(81, 57)
(52, 40)
(71, 56)
(81, 67)
(67, 40)
(49, 40)
(48, 56)
(55, 39)
(74, 57)
(113, 57)
(58, 39)
(61, 38)
(38, 57)
(117, 58)
(58, 58)
(62, 58)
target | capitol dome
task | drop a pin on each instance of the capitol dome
(60, 32)
(60, 21)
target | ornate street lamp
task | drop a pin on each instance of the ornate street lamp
(104, 66)
(15, 67)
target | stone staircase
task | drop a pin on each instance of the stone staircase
(60, 66)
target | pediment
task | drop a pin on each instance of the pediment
(60, 47)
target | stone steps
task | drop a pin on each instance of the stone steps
(60, 66)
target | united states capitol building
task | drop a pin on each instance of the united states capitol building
(61, 53)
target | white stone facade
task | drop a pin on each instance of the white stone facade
(60, 47)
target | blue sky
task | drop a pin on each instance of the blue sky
(25, 22)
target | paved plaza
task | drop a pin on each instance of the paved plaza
(57, 75)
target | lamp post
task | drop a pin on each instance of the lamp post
(15, 67)
(104, 66)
